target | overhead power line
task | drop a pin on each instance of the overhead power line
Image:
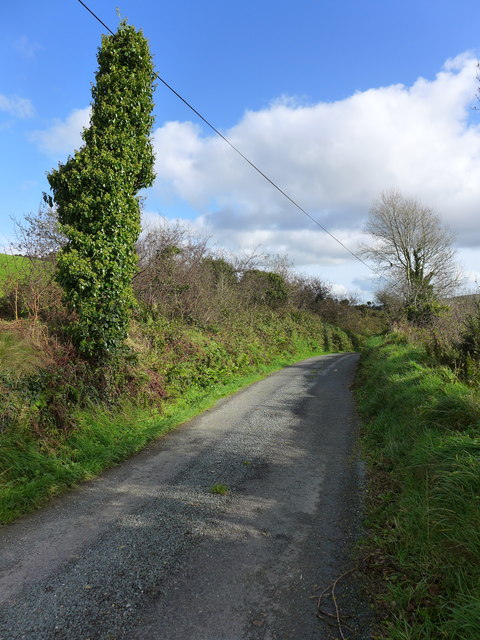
(230, 144)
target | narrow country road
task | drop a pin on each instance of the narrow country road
(147, 552)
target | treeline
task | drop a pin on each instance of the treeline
(178, 276)
(249, 304)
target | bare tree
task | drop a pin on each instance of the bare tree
(32, 291)
(39, 235)
(170, 276)
(413, 252)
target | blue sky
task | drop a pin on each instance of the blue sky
(335, 100)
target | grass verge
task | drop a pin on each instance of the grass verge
(34, 469)
(421, 437)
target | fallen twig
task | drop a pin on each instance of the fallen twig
(331, 588)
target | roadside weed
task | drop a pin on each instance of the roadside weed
(219, 488)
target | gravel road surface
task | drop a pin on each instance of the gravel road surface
(148, 552)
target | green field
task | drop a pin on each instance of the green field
(10, 266)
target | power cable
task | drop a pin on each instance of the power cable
(230, 144)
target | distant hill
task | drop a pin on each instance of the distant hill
(468, 298)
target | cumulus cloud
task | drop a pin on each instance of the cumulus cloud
(64, 135)
(334, 159)
(16, 106)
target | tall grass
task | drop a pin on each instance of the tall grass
(19, 356)
(422, 439)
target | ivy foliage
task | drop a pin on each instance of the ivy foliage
(95, 193)
(266, 287)
(221, 271)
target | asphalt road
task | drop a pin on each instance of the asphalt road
(147, 552)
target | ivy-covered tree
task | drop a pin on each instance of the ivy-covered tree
(95, 193)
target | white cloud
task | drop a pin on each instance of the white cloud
(334, 159)
(471, 266)
(340, 291)
(5, 244)
(26, 47)
(64, 135)
(472, 277)
(16, 106)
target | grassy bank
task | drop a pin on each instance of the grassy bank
(422, 442)
(55, 433)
